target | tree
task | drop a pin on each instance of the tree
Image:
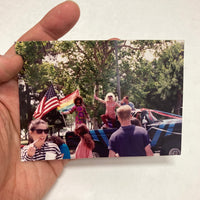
(90, 66)
(168, 78)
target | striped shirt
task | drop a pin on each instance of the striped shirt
(48, 151)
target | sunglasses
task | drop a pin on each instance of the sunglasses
(110, 96)
(39, 131)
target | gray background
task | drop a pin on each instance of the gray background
(152, 178)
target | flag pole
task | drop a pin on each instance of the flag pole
(64, 119)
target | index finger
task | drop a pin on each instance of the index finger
(32, 144)
(53, 25)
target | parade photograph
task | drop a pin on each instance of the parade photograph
(100, 98)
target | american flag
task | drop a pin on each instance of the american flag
(48, 103)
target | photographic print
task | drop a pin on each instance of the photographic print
(104, 98)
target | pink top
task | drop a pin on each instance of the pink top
(82, 151)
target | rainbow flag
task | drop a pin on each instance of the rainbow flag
(66, 103)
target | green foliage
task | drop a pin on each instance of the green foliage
(33, 51)
(90, 66)
(168, 77)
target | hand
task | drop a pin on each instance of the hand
(27, 180)
(31, 151)
(66, 113)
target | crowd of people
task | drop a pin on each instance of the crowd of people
(18, 178)
(130, 139)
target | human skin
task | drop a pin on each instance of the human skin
(39, 139)
(127, 122)
(27, 180)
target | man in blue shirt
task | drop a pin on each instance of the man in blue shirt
(129, 140)
(125, 101)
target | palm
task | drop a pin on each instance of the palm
(29, 175)
(18, 179)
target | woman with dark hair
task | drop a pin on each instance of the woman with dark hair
(135, 121)
(79, 108)
(62, 146)
(39, 149)
(86, 144)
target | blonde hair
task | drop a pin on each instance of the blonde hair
(110, 94)
(124, 112)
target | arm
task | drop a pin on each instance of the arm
(98, 99)
(132, 105)
(29, 151)
(25, 153)
(147, 145)
(111, 147)
(70, 111)
(117, 104)
(148, 150)
(66, 112)
(113, 154)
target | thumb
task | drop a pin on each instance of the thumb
(54, 24)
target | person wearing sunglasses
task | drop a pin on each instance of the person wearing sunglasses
(39, 148)
(125, 101)
(110, 114)
(18, 178)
